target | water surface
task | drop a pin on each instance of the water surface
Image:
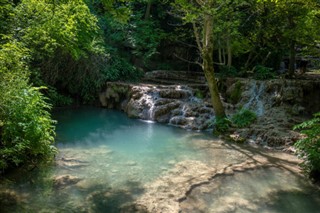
(105, 159)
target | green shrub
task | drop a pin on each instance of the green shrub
(56, 99)
(198, 94)
(226, 71)
(263, 73)
(27, 130)
(309, 147)
(243, 118)
(121, 69)
(221, 125)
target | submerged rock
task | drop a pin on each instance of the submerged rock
(63, 181)
(9, 198)
(71, 163)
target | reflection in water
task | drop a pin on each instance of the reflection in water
(105, 159)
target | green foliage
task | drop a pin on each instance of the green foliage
(27, 130)
(243, 118)
(66, 47)
(309, 146)
(165, 66)
(120, 69)
(56, 99)
(263, 73)
(144, 36)
(198, 94)
(6, 8)
(226, 71)
(48, 26)
(221, 125)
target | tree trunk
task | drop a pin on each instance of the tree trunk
(212, 83)
(220, 56)
(148, 10)
(292, 59)
(208, 69)
(224, 56)
(229, 51)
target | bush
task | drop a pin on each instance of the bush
(221, 125)
(27, 130)
(263, 73)
(56, 99)
(240, 120)
(309, 147)
(120, 69)
(226, 71)
(198, 94)
(243, 118)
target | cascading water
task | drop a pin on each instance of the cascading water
(175, 105)
(256, 93)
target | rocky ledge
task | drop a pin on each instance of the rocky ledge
(279, 104)
(173, 190)
(175, 104)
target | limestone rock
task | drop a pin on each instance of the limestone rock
(63, 181)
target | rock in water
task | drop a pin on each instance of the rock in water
(172, 104)
(63, 181)
(8, 198)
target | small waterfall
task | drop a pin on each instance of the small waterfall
(255, 102)
(146, 102)
(150, 101)
(175, 105)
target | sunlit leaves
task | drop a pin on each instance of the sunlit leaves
(26, 127)
(48, 25)
(309, 146)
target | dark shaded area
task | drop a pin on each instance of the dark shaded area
(113, 200)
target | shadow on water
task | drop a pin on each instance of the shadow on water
(292, 201)
(113, 200)
(273, 184)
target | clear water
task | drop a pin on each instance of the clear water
(109, 157)
(267, 190)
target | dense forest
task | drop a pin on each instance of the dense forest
(57, 53)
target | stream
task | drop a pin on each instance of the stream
(107, 162)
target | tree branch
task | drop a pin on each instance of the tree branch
(196, 34)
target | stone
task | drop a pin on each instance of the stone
(71, 163)
(131, 163)
(174, 104)
(9, 198)
(63, 181)
(178, 120)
